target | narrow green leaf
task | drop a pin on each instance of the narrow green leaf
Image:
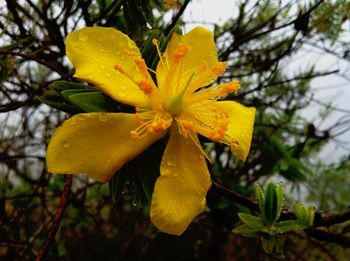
(260, 197)
(271, 203)
(246, 230)
(252, 221)
(94, 102)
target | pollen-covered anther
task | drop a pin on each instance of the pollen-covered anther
(234, 144)
(155, 41)
(216, 135)
(203, 67)
(134, 135)
(220, 68)
(231, 87)
(181, 51)
(141, 64)
(145, 85)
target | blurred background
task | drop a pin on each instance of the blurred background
(292, 59)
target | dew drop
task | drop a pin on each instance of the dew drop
(122, 94)
(95, 59)
(123, 87)
(108, 75)
(100, 38)
(117, 53)
(171, 161)
(65, 144)
(102, 66)
(82, 37)
(134, 201)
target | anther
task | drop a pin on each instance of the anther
(181, 51)
(203, 67)
(145, 85)
(220, 68)
(134, 135)
(141, 65)
(155, 41)
(231, 87)
(234, 144)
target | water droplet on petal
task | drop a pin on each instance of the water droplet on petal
(171, 161)
(108, 75)
(101, 38)
(65, 144)
(82, 37)
(123, 87)
(102, 66)
(117, 52)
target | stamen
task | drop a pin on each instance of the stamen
(181, 52)
(213, 92)
(150, 122)
(220, 68)
(145, 85)
(141, 64)
(155, 43)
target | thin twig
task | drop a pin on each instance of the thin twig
(57, 220)
(176, 18)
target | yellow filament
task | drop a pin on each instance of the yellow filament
(155, 122)
(156, 44)
(213, 92)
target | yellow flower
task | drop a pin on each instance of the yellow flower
(99, 144)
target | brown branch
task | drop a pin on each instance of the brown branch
(57, 219)
(176, 18)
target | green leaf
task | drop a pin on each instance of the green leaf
(287, 225)
(246, 230)
(260, 197)
(271, 203)
(304, 214)
(279, 194)
(94, 102)
(252, 221)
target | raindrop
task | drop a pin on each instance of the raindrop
(123, 87)
(102, 66)
(100, 39)
(108, 75)
(65, 144)
(82, 37)
(134, 201)
(117, 53)
(170, 161)
(95, 59)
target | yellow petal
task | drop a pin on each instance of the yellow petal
(226, 121)
(179, 193)
(202, 50)
(240, 127)
(97, 144)
(94, 52)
